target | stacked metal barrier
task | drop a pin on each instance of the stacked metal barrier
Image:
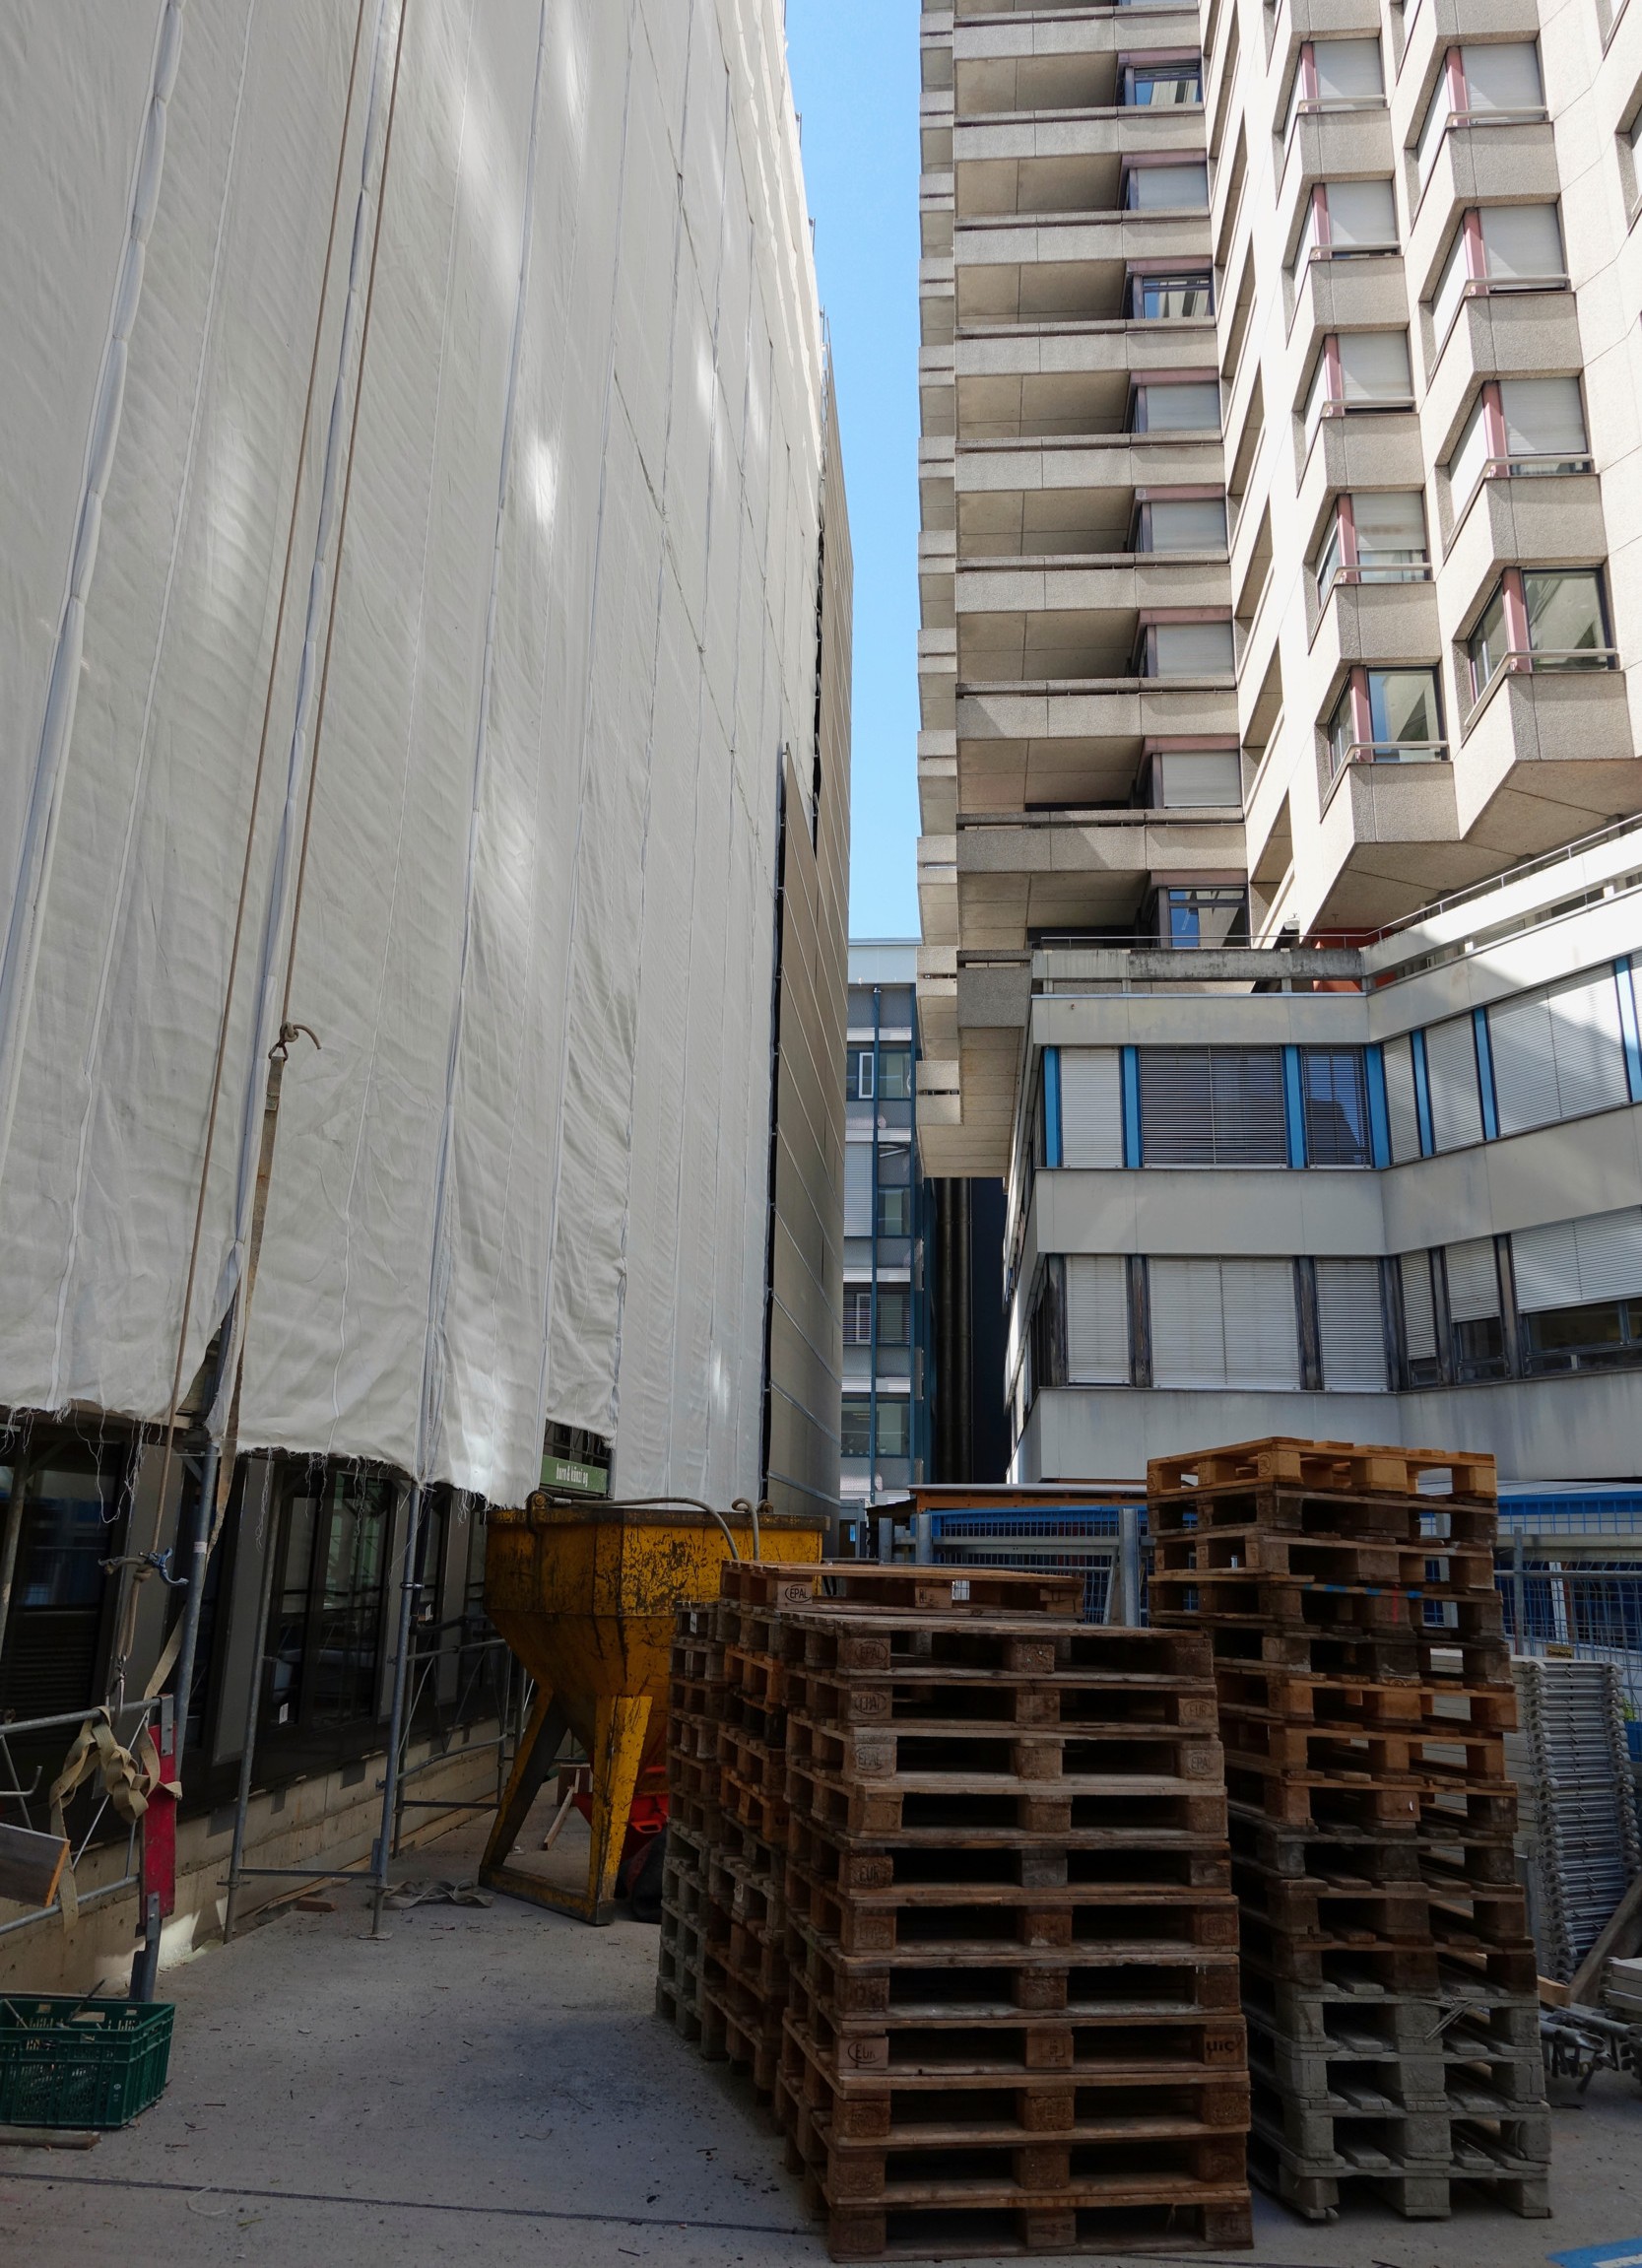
(1389, 1980)
(1578, 1828)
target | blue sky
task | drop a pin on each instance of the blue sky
(855, 77)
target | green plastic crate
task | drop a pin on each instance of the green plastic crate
(66, 2062)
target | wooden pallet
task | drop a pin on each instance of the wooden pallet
(1389, 1966)
(1435, 1612)
(916, 1589)
(1008, 1805)
(1437, 1524)
(1109, 1853)
(1332, 2136)
(908, 1914)
(1440, 1707)
(1415, 1565)
(892, 1641)
(1399, 2023)
(1346, 1467)
(1350, 1911)
(1462, 2070)
(1436, 1756)
(1422, 2194)
(983, 1756)
(911, 1695)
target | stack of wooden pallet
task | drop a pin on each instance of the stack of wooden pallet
(1364, 1695)
(986, 1919)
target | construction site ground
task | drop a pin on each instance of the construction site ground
(492, 2085)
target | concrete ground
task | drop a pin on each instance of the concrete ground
(492, 2085)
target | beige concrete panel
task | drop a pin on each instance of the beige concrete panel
(1540, 521)
(1505, 162)
(1223, 1212)
(1554, 1174)
(1548, 758)
(1496, 335)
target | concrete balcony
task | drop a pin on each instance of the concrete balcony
(1080, 870)
(934, 217)
(1068, 495)
(937, 303)
(1044, 269)
(935, 130)
(936, 491)
(1438, 24)
(1364, 293)
(938, 782)
(1030, 384)
(1065, 62)
(1549, 756)
(1544, 521)
(1078, 743)
(1304, 20)
(937, 888)
(1387, 841)
(1333, 146)
(937, 561)
(1512, 162)
(1383, 625)
(1367, 451)
(937, 391)
(1496, 335)
(1073, 618)
(1062, 164)
(936, 679)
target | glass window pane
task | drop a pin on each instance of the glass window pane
(895, 1074)
(1167, 188)
(1186, 524)
(1564, 613)
(1466, 466)
(1374, 366)
(1451, 288)
(1343, 731)
(1362, 215)
(1196, 918)
(1522, 244)
(1488, 643)
(1328, 560)
(1391, 534)
(894, 1318)
(1335, 1088)
(857, 1427)
(1162, 85)
(1349, 70)
(1505, 77)
(1172, 298)
(1403, 706)
(1193, 405)
(1435, 128)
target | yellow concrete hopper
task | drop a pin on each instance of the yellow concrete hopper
(585, 1595)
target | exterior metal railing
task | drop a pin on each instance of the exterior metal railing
(28, 1805)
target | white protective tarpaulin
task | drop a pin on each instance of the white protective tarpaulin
(556, 532)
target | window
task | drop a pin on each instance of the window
(1402, 1111)
(1172, 298)
(1213, 1107)
(1163, 86)
(69, 1495)
(895, 1213)
(1346, 218)
(1480, 85)
(1474, 1310)
(1092, 1106)
(1420, 1320)
(1181, 524)
(1185, 406)
(1499, 248)
(1519, 427)
(1097, 1320)
(895, 1074)
(1450, 1083)
(1350, 1326)
(1337, 75)
(1540, 618)
(858, 1318)
(1225, 1323)
(858, 1075)
(1579, 1289)
(895, 1316)
(1167, 187)
(1209, 779)
(1558, 1052)
(895, 1427)
(856, 1426)
(1186, 649)
(1360, 372)
(1193, 916)
(1334, 1088)
(330, 1566)
(1378, 536)
(858, 1188)
(1386, 716)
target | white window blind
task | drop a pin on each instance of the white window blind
(858, 1188)
(1362, 215)
(1374, 366)
(1167, 188)
(1558, 1052)
(1092, 1106)
(1420, 1313)
(1436, 126)
(1576, 1263)
(1225, 1323)
(1192, 406)
(1401, 1113)
(1470, 454)
(1212, 778)
(1543, 417)
(1451, 1082)
(1350, 1326)
(1096, 1320)
(1505, 77)
(1192, 648)
(1451, 286)
(1349, 70)
(1522, 244)
(1187, 523)
(1473, 1281)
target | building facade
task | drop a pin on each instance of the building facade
(1279, 587)
(423, 835)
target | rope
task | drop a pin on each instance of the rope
(129, 1777)
(128, 1622)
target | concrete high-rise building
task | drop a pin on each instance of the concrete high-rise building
(424, 818)
(1281, 615)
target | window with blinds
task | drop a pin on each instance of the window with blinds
(1475, 1324)
(1420, 1320)
(1096, 1319)
(1335, 1088)
(1401, 1113)
(1350, 1326)
(1569, 1263)
(858, 1190)
(1558, 1052)
(1225, 1323)
(1213, 1107)
(1092, 1106)
(1451, 1082)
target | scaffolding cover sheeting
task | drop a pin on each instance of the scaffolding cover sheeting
(556, 538)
